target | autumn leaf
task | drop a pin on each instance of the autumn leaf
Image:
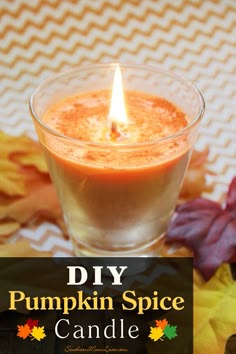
(170, 331)
(39, 200)
(42, 200)
(208, 229)
(8, 227)
(11, 179)
(38, 333)
(32, 323)
(231, 198)
(156, 333)
(15, 144)
(21, 249)
(25, 187)
(17, 152)
(23, 331)
(161, 323)
(214, 312)
(35, 159)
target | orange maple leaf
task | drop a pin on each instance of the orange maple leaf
(23, 331)
(161, 323)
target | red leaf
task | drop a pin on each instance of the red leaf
(32, 323)
(231, 198)
(208, 229)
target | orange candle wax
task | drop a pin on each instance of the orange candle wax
(118, 191)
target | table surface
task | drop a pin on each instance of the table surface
(194, 38)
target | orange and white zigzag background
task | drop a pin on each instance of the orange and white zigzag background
(194, 38)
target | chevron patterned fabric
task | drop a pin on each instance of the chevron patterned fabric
(194, 38)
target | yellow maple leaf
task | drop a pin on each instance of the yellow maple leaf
(214, 312)
(38, 333)
(156, 333)
(23, 331)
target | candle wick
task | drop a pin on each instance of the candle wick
(118, 132)
(115, 131)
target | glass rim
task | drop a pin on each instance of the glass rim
(90, 144)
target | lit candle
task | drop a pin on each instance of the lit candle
(117, 167)
(117, 115)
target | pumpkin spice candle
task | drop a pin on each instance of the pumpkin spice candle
(117, 139)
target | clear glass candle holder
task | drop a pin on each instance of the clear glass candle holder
(110, 208)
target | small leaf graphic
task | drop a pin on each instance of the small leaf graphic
(23, 331)
(32, 323)
(161, 323)
(38, 333)
(155, 333)
(170, 331)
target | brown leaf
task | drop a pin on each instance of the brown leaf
(208, 229)
(231, 198)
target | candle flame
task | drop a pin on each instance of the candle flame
(117, 115)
